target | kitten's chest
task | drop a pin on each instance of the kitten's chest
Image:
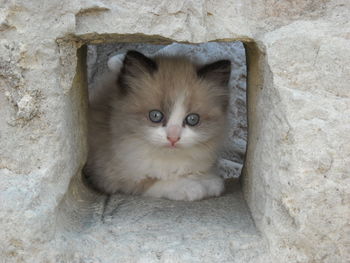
(165, 167)
(162, 165)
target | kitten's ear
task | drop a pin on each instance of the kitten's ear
(136, 63)
(218, 72)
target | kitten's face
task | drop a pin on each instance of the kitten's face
(169, 103)
(181, 124)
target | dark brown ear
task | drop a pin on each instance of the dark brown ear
(218, 71)
(135, 64)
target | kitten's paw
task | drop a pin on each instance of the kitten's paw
(187, 189)
(184, 189)
(191, 190)
(214, 185)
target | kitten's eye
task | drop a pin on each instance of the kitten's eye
(156, 116)
(192, 119)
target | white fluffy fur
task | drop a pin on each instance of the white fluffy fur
(190, 188)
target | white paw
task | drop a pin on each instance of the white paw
(187, 189)
(214, 185)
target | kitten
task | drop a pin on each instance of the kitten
(156, 128)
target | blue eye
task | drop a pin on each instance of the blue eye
(192, 119)
(156, 116)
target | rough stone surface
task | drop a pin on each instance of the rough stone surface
(136, 229)
(296, 174)
(299, 144)
(231, 162)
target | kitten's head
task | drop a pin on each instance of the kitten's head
(171, 103)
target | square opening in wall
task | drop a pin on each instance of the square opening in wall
(137, 225)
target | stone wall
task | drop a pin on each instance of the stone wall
(296, 176)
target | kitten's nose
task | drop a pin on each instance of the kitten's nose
(173, 140)
(173, 134)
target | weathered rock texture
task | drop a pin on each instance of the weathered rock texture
(296, 176)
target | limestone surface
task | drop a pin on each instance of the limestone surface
(124, 228)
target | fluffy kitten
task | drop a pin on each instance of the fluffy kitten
(156, 128)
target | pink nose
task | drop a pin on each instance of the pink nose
(173, 140)
(173, 134)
